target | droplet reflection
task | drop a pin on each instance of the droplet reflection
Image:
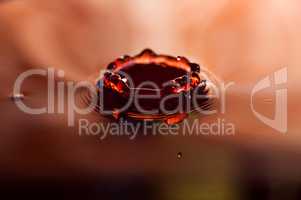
(179, 155)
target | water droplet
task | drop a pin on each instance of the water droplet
(111, 66)
(179, 155)
(17, 97)
(125, 57)
(148, 52)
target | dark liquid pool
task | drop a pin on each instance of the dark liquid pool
(158, 74)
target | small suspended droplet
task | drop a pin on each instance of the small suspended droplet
(17, 97)
(179, 155)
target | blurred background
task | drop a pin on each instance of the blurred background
(237, 40)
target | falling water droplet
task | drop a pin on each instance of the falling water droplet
(179, 155)
(17, 97)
